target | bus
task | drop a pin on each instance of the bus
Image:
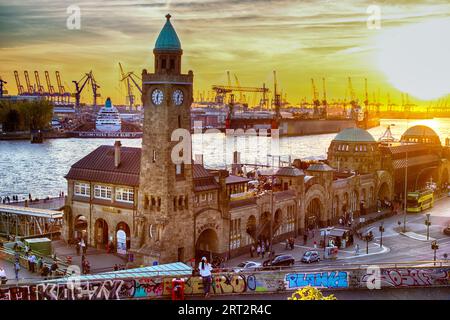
(419, 200)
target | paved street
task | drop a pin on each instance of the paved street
(396, 247)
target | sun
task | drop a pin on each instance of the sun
(416, 58)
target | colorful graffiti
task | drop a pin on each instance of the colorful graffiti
(334, 279)
(409, 277)
(226, 283)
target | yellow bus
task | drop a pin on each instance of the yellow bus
(419, 200)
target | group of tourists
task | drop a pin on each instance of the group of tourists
(81, 246)
(262, 247)
(8, 200)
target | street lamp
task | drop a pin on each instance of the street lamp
(428, 224)
(435, 247)
(381, 228)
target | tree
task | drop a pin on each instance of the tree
(310, 293)
(25, 115)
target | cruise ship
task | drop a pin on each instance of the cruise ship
(108, 118)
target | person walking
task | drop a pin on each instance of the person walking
(78, 247)
(356, 249)
(3, 278)
(263, 250)
(315, 244)
(17, 269)
(32, 263)
(40, 264)
(54, 268)
(83, 246)
(205, 272)
(258, 250)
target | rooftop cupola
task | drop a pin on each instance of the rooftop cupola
(168, 50)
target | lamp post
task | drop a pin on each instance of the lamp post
(428, 224)
(435, 247)
(381, 231)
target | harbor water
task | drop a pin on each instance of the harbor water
(39, 169)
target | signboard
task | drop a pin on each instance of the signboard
(121, 242)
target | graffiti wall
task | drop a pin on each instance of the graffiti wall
(408, 277)
(229, 283)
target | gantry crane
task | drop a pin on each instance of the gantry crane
(315, 96)
(50, 88)
(324, 101)
(2, 91)
(39, 87)
(88, 77)
(61, 89)
(130, 76)
(353, 100)
(30, 87)
(20, 90)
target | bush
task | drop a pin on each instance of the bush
(310, 293)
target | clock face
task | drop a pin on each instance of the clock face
(157, 96)
(177, 97)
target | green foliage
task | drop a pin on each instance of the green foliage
(310, 293)
(25, 115)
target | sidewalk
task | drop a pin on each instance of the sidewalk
(100, 260)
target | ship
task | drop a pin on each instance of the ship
(108, 118)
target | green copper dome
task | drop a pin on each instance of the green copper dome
(354, 135)
(168, 39)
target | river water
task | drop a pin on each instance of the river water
(39, 169)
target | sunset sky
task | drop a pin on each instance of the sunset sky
(301, 39)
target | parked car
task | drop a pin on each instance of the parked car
(247, 266)
(282, 260)
(447, 231)
(310, 256)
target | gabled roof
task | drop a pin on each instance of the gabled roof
(99, 166)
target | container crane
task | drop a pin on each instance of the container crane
(2, 83)
(61, 89)
(30, 88)
(95, 86)
(324, 101)
(353, 100)
(50, 88)
(81, 84)
(39, 87)
(20, 90)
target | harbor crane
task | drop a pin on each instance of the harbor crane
(81, 84)
(130, 77)
(39, 87)
(324, 101)
(353, 99)
(2, 91)
(50, 88)
(366, 94)
(30, 87)
(315, 95)
(222, 91)
(63, 94)
(20, 90)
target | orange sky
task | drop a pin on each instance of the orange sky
(251, 38)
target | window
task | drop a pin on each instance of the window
(172, 64)
(163, 64)
(235, 233)
(179, 170)
(102, 192)
(203, 196)
(82, 189)
(210, 196)
(124, 194)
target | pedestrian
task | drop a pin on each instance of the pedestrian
(83, 246)
(32, 263)
(252, 250)
(263, 250)
(3, 278)
(357, 249)
(78, 247)
(40, 264)
(287, 244)
(340, 221)
(17, 269)
(29, 262)
(258, 250)
(315, 244)
(53, 268)
(305, 239)
(205, 272)
(45, 271)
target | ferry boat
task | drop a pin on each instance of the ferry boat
(108, 118)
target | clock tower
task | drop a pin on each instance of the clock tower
(164, 224)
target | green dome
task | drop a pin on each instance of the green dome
(354, 135)
(168, 39)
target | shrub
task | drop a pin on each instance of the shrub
(310, 293)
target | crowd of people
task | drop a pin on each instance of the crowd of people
(15, 198)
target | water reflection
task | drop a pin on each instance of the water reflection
(39, 169)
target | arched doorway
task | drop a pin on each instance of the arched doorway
(278, 221)
(251, 227)
(80, 227)
(383, 192)
(101, 234)
(313, 213)
(264, 226)
(207, 245)
(123, 239)
(335, 211)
